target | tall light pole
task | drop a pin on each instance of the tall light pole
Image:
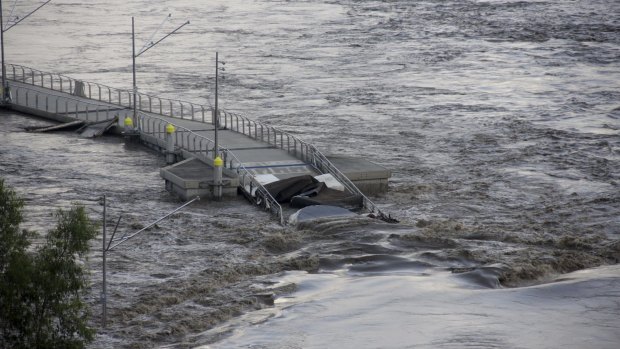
(5, 85)
(133, 69)
(217, 161)
(147, 46)
(216, 116)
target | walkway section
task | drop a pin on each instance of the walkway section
(251, 150)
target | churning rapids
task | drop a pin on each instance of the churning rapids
(500, 120)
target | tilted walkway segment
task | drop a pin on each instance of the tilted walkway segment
(249, 147)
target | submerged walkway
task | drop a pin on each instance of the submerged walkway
(249, 148)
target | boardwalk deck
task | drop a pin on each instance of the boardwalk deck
(257, 155)
(249, 148)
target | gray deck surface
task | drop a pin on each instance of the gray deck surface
(259, 157)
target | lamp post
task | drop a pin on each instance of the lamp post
(216, 116)
(147, 46)
(217, 160)
(5, 86)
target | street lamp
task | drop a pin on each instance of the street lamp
(217, 161)
(147, 46)
(216, 112)
(5, 86)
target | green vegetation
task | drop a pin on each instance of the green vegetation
(41, 289)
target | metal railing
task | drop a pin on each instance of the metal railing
(185, 138)
(202, 147)
(187, 110)
(102, 93)
(295, 146)
(71, 107)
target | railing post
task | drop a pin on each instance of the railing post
(42, 79)
(301, 152)
(90, 95)
(181, 109)
(161, 112)
(36, 101)
(99, 91)
(46, 103)
(109, 95)
(52, 82)
(202, 109)
(192, 105)
(150, 104)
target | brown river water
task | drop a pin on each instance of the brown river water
(499, 119)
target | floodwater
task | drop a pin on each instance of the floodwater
(500, 120)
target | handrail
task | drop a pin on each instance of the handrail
(307, 152)
(75, 108)
(145, 102)
(334, 171)
(155, 127)
(232, 121)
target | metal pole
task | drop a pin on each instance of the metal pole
(170, 156)
(216, 118)
(217, 161)
(103, 249)
(4, 87)
(133, 60)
